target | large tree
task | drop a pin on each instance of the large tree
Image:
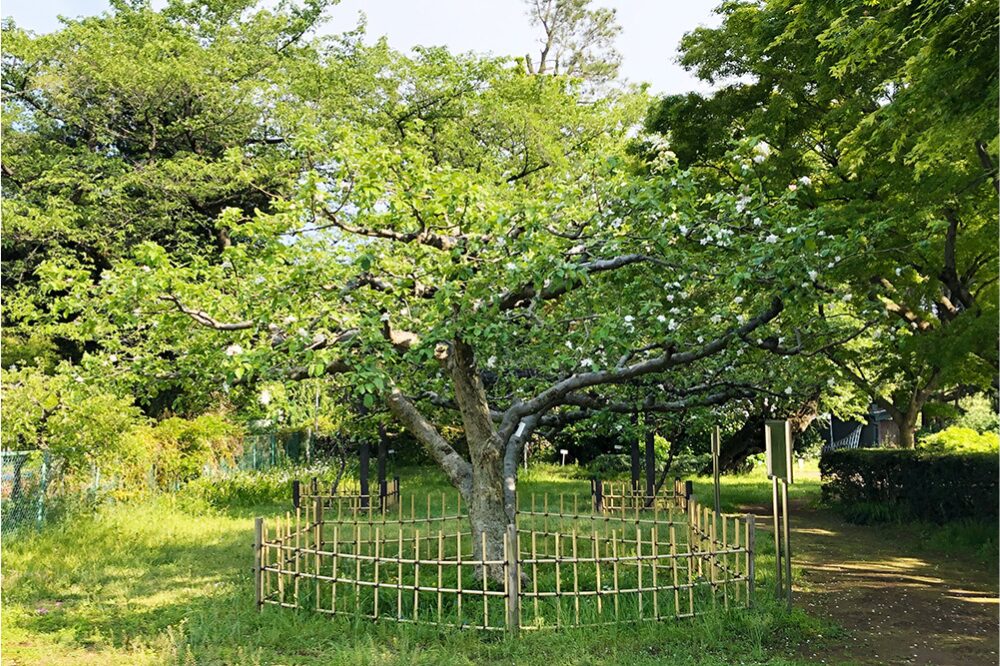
(478, 252)
(883, 118)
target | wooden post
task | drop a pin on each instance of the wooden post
(513, 581)
(716, 446)
(366, 453)
(635, 465)
(787, 538)
(296, 493)
(258, 528)
(650, 465)
(777, 536)
(383, 453)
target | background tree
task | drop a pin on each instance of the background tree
(137, 125)
(577, 40)
(883, 118)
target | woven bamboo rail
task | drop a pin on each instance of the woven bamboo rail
(562, 565)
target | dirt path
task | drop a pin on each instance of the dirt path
(898, 603)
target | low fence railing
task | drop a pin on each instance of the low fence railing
(556, 568)
(346, 493)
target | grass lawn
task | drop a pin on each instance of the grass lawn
(168, 581)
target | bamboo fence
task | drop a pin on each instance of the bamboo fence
(561, 565)
(347, 492)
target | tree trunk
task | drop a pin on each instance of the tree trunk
(907, 425)
(489, 513)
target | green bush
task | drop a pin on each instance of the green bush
(910, 484)
(609, 465)
(961, 440)
(978, 413)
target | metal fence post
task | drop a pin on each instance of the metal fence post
(513, 580)
(43, 483)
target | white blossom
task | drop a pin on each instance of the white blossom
(771, 238)
(788, 390)
(670, 297)
(569, 344)
(716, 318)
(738, 300)
(629, 319)
(587, 362)
(805, 181)
(813, 275)
(847, 297)
(672, 325)
(234, 350)
(793, 187)
(683, 229)
(491, 362)
(660, 318)
(830, 381)
(757, 222)
(265, 397)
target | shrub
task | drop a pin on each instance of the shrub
(910, 484)
(979, 413)
(961, 440)
(609, 465)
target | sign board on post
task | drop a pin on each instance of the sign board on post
(778, 448)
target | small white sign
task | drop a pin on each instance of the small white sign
(520, 430)
(564, 451)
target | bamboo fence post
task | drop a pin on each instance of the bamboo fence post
(258, 586)
(297, 551)
(638, 565)
(534, 572)
(416, 571)
(513, 579)
(614, 560)
(595, 549)
(375, 608)
(673, 566)
(357, 568)
(558, 582)
(458, 569)
(736, 560)
(713, 554)
(317, 542)
(484, 570)
(265, 563)
(576, 581)
(751, 543)
(440, 567)
(726, 571)
(399, 573)
(656, 561)
(336, 567)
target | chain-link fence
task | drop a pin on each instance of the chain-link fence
(24, 486)
(34, 485)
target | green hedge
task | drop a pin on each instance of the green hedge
(910, 484)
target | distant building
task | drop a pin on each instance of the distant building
(877, 430)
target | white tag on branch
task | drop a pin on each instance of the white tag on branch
(520, 429)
